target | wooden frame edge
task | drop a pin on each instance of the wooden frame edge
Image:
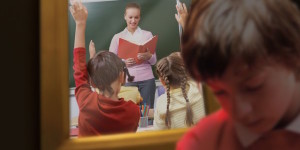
(143, 140)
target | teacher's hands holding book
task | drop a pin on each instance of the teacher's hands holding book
(130, 62)
(135, 54)
(144, 56)
(140, 56)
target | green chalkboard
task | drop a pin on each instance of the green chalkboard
(106, 18)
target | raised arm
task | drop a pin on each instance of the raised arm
(114, 44)
(182, 14)
(79, 13)
(92, 49)
(83, 90)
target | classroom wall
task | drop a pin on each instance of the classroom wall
(107, 18)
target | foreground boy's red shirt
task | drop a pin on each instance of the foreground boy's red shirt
(217, 132)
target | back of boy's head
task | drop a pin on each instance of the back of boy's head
(247, 30)
(172, 71)
(105, 68)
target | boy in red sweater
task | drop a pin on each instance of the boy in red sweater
(248, 53)
(102, 113)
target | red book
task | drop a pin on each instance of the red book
(128, 49)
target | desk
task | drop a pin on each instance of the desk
(74, 130)
(148, 128)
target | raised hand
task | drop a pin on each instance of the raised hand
(182, 14)
(144, 56)
(130, 62)
(79, 12)
(92, 49)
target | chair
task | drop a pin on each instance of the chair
(160, 90)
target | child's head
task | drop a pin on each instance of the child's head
(104, 69)
(248, 52)
(171, 72)
(171, 69)
(132, 15)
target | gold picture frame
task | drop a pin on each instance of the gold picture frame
(55, 93)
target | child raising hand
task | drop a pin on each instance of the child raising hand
(103, 112)
(127, 92)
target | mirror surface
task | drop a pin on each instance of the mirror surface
(105, 19)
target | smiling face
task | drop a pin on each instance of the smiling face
(260, 97)
(132, 17)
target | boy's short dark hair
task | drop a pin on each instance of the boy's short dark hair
(247, 30)
(104, 68)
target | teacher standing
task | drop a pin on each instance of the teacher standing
(144, 78)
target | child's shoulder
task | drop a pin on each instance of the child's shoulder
(211, 123)
(194, 85)
(161, 103)
(208, 129)
(162, 99)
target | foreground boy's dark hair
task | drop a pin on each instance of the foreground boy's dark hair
(104, 68)
(245, 30)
